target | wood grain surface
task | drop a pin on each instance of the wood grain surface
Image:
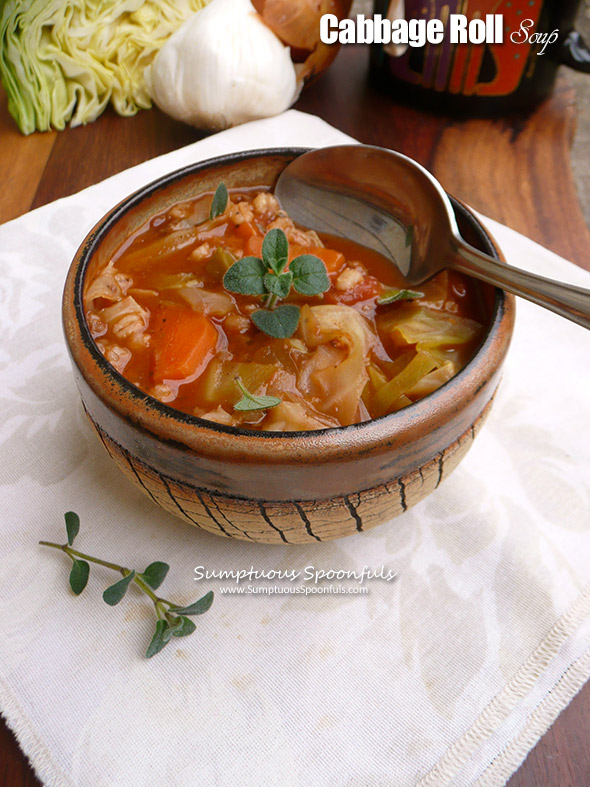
(516, 170)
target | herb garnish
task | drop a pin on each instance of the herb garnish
(251, 402)
(172, 620)
(280, 322)
(268, 277)
(219, 204)
(389, 296)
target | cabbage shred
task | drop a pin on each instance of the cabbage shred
(63, 60)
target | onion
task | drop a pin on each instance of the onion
(297, 24)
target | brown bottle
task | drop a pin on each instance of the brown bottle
(483, 79)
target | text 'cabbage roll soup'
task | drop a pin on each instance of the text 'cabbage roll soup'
(222, 308)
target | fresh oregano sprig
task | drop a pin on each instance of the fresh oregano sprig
(270, 278)
(395, 294)
(250, 401)
(220, 200)
(171, 619)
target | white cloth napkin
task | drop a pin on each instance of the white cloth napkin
(446, 675)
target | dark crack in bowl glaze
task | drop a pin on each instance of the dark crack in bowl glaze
(292, 487)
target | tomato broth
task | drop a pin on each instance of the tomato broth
(163, 314)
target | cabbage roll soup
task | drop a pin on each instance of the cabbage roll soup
(222, 308)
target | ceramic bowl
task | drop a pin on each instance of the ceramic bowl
(277, 488)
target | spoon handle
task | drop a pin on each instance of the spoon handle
(564, 299)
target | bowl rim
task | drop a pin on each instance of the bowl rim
(502, 304)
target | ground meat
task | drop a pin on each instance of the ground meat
(181, 211)
(265, 203)
(308, 240)
(201, 252)
(240, 213)
(348, 279)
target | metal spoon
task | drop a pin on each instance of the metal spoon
(390, 203)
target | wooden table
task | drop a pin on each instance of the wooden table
(514, 170)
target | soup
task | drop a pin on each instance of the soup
(226, 310)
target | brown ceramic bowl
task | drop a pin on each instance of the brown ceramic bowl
(293, 487)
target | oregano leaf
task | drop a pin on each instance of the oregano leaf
(220, 199)
(174, 625)
(389, 296)
(79, 575)
(72, 525)
(309, 275)
(275, 250)
(155, 574)
(251, 402)
(116, 592)
(198, 608)
(278, 284)
(279, 323)
(187, 627)
(246, 276)
(159, 640)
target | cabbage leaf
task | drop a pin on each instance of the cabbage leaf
(387, 395)
(63, 60)
(428, 328)
(336, 375)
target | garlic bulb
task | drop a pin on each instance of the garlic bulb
(222, 67)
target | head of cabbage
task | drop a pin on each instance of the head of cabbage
(63, 60)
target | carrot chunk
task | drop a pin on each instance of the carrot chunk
(332, 259)
(253, 247)
(246, 230)
(184, 342)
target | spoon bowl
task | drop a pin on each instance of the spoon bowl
(400, 210)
